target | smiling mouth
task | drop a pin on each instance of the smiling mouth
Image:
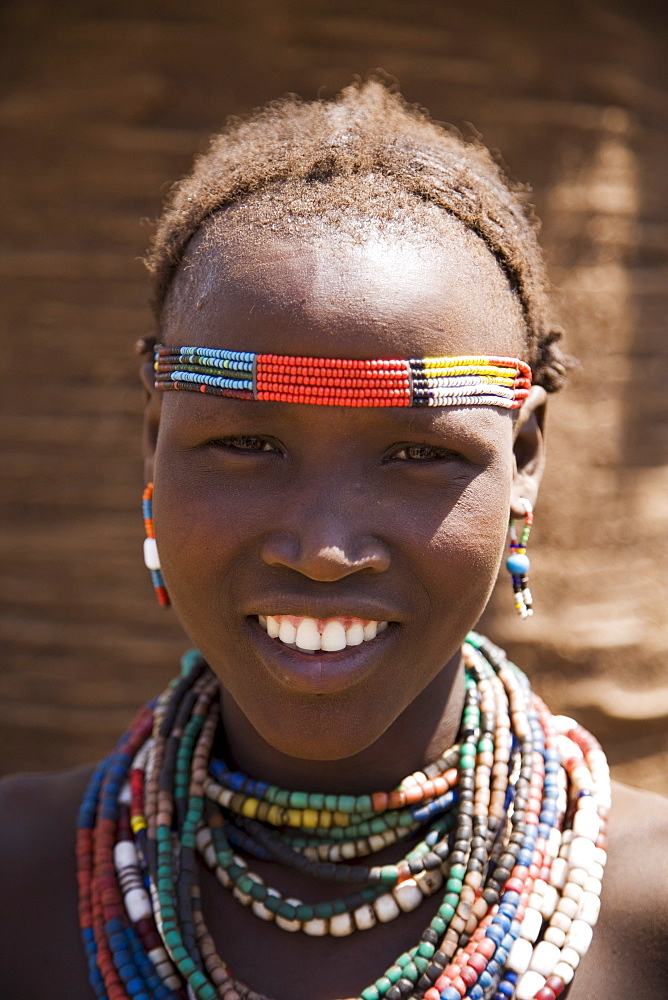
(328, 635)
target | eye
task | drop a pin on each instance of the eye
(422, 453)
(245, 443)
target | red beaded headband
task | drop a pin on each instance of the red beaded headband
(460, 381)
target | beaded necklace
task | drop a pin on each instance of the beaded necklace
(510, 823)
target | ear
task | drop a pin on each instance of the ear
(529, 450)
(153, 401)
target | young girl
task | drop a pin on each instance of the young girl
(346, 792)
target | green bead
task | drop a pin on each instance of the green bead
(389, 874)
(323, 911)
(383, 985)
(304, 913)
(331, 803)
(345, 803)
(370, 993)
(393, 973)
(438, 925)
(426, 950)
(446, 911)
(282, 798)
(364, 804)
(245, 884)
(316, 801)
(467, 763)
(286, 910)
(298, 800)
(421, 965)
(457, 871)
(258, 892)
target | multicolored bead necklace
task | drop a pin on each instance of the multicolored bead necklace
(510, 823)
(462, 381)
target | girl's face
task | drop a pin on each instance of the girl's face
(333, 513)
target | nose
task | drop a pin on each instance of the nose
(325, 546)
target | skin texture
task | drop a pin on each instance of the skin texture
(325, 511)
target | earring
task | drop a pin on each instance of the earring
(151, 558)
(518, 563)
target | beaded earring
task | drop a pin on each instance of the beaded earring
(518, 563)
(151, 558)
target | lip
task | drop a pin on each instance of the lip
(319, 673)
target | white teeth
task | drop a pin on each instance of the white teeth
(287, 632)
(333, 637)
(355, 634)
(312, 634)
(308, 636)
(273, 628)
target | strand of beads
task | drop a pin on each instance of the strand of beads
(511, 821)
(518, 563)
(457, 381)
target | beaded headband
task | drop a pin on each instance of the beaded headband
(462, 381)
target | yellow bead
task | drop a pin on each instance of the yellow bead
(275, 816)
(293, 817)
(310, 818)
(341, 819)
(325, 818)
(137, 823)
(250, 807)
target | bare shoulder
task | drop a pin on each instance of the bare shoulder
(632, 933)
(38, 873)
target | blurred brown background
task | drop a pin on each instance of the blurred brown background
(103, 104)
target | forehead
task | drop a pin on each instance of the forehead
(327, 293)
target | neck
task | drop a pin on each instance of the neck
(416, 738)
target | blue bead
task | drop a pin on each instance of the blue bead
(450, 993)
(518, 565)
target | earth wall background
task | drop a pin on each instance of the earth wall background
(102, 106)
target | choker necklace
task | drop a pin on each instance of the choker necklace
(509, 823)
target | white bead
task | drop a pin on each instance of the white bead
(579, 937)
(545, 957)
(407, 895)
(520, 956)
(561, 921)
(261, 911)
(531, 924)
(555, 936)
(593, 885)
(137, 904)
(558, 872)
(125, 855)
(586, 824)
(564, 971)
(578, 876)
(596, 870)
(386, 908)
(581, 854)
(571, 957)
(376, 842)
(348, 850)
(429, 882)
(572, 891)
(529, 985)
(245, 898)
(289, 925)
(365, 917)
(334, 853)
(549, 901)
(341, 925)
(600, 857)
(590, 906)
(315, 927)
(151, 558)
(568, 907)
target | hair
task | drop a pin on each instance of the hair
(367, 138)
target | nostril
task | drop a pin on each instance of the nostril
(322, 560)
